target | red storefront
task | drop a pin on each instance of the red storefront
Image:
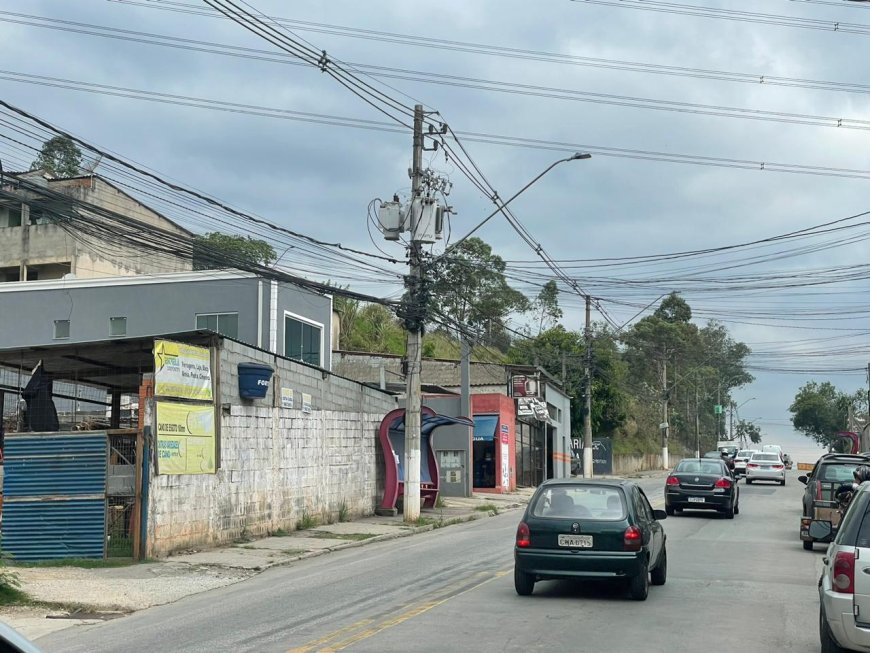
(494, 443)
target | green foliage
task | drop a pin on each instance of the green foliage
(470, 288)
(820, 410)
(59, 156)
(215, 250)
(546, 307)
(9, 582)
(748, 431)
(343, 512)
(373, 329)
(307, 521)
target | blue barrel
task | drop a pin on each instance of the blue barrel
(254, 380)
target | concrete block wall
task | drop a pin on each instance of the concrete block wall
(276, 464)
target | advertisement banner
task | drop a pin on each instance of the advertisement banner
(286, 397)
(182, 371)
(185, 438)
(602, 456)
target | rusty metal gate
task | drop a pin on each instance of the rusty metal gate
(54, 503)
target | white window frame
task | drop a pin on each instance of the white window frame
(196, 317)
(304, 320)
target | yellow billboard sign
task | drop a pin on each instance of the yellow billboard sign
(182, 371)
(185, 438)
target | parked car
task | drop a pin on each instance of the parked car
(765, 467)
(819, 502)
(577, 528)
(741, 459)
(702, 483)
(844, 587)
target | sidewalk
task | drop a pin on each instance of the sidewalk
(97, 594)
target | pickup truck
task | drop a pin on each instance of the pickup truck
(819, 502)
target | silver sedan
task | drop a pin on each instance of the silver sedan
(765, 467)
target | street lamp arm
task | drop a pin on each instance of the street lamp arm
(502, 205)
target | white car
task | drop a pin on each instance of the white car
(741, 459)
(765, 467)
(844, 588)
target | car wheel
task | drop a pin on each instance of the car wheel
(638, 586)
(669, 511)
(737, 508)
(782, 482)
(729, 512)
(829, 645)
(808, 546)
(660, 574)
(748, 481)
(524, 583)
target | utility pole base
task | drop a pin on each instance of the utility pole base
(665, 462)
(587, 462)
(386, 512)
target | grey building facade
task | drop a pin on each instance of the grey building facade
(277, 316)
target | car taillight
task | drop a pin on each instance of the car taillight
(752, 465)
(843, 580)
(633, 538)
(777, 466)
(722, 482)
(524, 538)
(672, 480)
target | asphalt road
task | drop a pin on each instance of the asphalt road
(745, 585)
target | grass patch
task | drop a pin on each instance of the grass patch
(488, 507)
(307, 522)
(293, 552)
(343, 512)
(425, 521)
(82, 563)
(356, 537)
(13, 596)
(439, 502)
(280, 533)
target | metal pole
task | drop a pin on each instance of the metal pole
(697, 426)
(587, 417)
(415, 336)
(665, 425)
(465, 408)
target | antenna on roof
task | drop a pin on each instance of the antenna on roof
(92, 165)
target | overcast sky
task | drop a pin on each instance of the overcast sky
(319, 179)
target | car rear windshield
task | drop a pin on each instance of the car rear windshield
(699, 467)
(745, 454)
(580, 501)
(836, 473)
(766, 457)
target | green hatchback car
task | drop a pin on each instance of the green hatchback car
(591, 529)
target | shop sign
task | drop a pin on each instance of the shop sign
(182, 371)
(185, 438)
(306, 403)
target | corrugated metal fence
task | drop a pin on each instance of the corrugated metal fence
(54, 488)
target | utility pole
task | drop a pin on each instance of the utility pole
(587, 418)
(731, 420)
(665, 426)
(414, 400)
(697, 424)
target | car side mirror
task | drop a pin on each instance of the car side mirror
(658, 515)
(803, 479)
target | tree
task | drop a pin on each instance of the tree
(59, 156)
(546, 307)
(820, 410)
(469, 287)
(745, 430)
(215, 250)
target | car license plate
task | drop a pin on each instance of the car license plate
(576, 541)
(696, 499)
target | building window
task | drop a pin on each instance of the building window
(10, 216)
(303, 340)
(117, 326)
(61, 329)
(226, 324)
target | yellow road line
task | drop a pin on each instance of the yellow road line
(392, 620)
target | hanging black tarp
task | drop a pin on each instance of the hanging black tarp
(41, 415)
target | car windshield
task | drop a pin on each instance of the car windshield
(699, 467)
(765, 457)
(837, 473)
(580, 501)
